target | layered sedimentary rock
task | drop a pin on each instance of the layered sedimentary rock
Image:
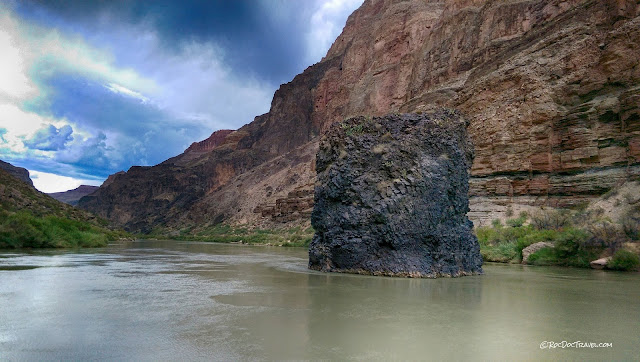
(391, 198)
(550, 88)
(296, 206)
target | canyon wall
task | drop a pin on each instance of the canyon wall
(551, 90)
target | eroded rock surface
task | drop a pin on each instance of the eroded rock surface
(391, 198)
(551, 89)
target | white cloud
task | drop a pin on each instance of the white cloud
(194, 84)
(116, 88)
(14, 82)
(48, 182)
(24, 44)
(22, 126)
(326, 24)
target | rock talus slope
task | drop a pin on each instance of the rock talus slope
(551, 90)
(391, 198)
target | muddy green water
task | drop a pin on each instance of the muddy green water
(156, 300)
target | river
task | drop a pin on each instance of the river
(168, 300)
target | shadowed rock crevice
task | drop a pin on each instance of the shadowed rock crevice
(391, 197)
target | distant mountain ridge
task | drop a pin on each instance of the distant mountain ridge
(72, 197)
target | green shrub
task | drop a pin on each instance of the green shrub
(578, 237)
(631, 223)
(571, 248)
(532, 237)
(485, 234)
(517, 222)
(501, 253)
(574, 249)
(606, 234)
(624, 260)
(570, 242)
(544, 256)
(25, 230)
(496, 223)
(551, 219)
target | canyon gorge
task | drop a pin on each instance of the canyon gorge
(551, 91)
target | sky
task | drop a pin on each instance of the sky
(92, 87)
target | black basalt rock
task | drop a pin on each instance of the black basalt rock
(391, 197)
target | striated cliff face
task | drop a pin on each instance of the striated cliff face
(551, 90)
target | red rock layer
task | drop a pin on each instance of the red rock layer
(551, 89)
(210, 143)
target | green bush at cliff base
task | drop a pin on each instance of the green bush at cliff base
(505, 244)
(22, 229)
(573, 246)
(222, 233)
(624, 260)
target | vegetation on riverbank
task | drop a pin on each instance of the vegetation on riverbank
(25, 230)
(578, 237)
(31, 219)
(223, 233)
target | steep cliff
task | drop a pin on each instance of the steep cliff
(551, 90)
(20, 173)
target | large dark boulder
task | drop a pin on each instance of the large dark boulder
(391, 197)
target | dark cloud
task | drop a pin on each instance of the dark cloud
(140, 80)
(50, 138)
(92, 156)
(263, 38)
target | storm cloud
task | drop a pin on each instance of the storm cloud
(50, 138)
(89, 88)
